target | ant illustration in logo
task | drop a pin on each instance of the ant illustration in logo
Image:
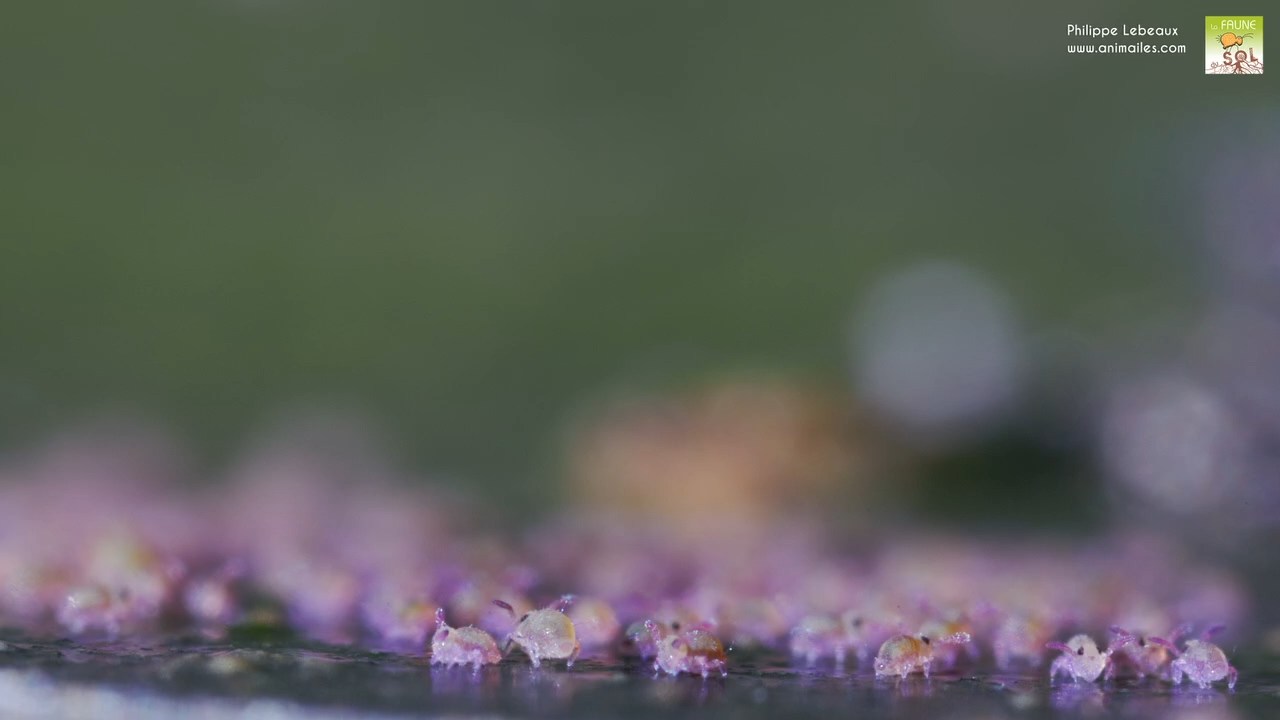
(1230, 40)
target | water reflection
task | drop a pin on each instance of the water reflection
(544, 690)
(463, 681)
(911, 687)
(1083, 698)
(1190, 696)
(762, 686)
(685, 691)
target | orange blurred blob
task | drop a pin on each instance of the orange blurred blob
(734, 454)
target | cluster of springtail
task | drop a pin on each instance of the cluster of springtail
(91, 555)
(550, 634)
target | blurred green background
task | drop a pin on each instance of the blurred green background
(465, 219)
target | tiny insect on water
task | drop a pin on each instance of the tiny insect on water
(637, 641)
(462, 646)
(1081, 659)
(544, 634)
(751, 622)
(864, 635)
(210, 597)
(903, 655)
(819, 636)
(1200, 660)
(947, 655)
(594, 622)
(1137, 655)
(1020, 639)
(693, 650)
(92, 609)
(643, 637)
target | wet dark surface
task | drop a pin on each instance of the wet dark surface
(59, 678)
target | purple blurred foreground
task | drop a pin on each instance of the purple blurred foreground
(103, 539)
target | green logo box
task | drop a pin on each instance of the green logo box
(1233, 45)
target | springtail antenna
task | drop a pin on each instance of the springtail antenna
(505, 606)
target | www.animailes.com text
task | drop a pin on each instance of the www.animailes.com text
(1128, 49)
